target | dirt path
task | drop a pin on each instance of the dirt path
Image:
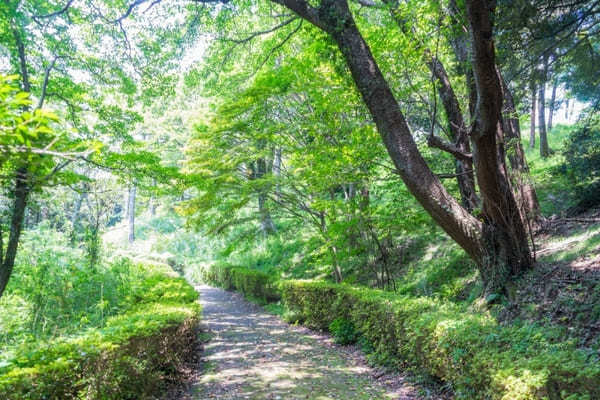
(254, 355)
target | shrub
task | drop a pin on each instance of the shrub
(133, 356)
(582, 162)
(251, 283)
(343, 331)
(480, 358)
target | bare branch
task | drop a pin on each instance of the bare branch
(434, 141)
(45, 82)
(46, 152)
(55, 13)
(260, 33)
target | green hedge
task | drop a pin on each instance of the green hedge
(251, 283)
(132, 357)
(481, 359)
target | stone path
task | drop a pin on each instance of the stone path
(255, 355)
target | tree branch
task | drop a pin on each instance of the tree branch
(434, 141)
(55, 13)
(45, 82)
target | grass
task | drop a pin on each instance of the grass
(567, 248)
(552, 188)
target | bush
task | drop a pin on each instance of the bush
(133, 356)
(480, 358)
(343, 331)
(582, 162)
(251, 283)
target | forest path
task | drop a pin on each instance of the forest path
(255, 355)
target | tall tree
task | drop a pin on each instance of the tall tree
(544, 148)
(499, 243)
(532, 115)
(552, 105)
(131, 213)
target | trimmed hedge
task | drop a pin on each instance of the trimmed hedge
(133, 357)
(251, 283)
(481, 359)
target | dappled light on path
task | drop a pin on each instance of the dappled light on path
(254, 355)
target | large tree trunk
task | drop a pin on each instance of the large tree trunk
(131, 214)
(533, 115)
(460, 45)
(505, 236)
(21, 193)
(499, 245)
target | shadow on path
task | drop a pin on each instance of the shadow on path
(254, 355)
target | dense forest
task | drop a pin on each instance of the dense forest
(416, 182)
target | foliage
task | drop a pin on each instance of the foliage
(59, 292)
(582, 161)
(552, 184)
(480, 358)
(251, 283)
(133, 355)
(343, 331)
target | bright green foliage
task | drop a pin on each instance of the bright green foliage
(327, 182)
(480, 358)
(59, 293)
(343, 331)
(32, 138)
(582, 161)
(133, 356)
(251, 283)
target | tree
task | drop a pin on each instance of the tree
(499, 243)
(544, 149)
(81, 72)
(532, 115)
(32, 154)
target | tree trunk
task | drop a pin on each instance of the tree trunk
(552, 105)
(504, 232)
(152, 205)
(524, 190)
(533, 115)
(22, 188)
(544, 149)
(567, 109)
(457, 129)
(131, 213)
(21, 193)
(499, 245)
(266, 222)
(277, 171)
(457, 134)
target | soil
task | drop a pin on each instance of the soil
(564, 287)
